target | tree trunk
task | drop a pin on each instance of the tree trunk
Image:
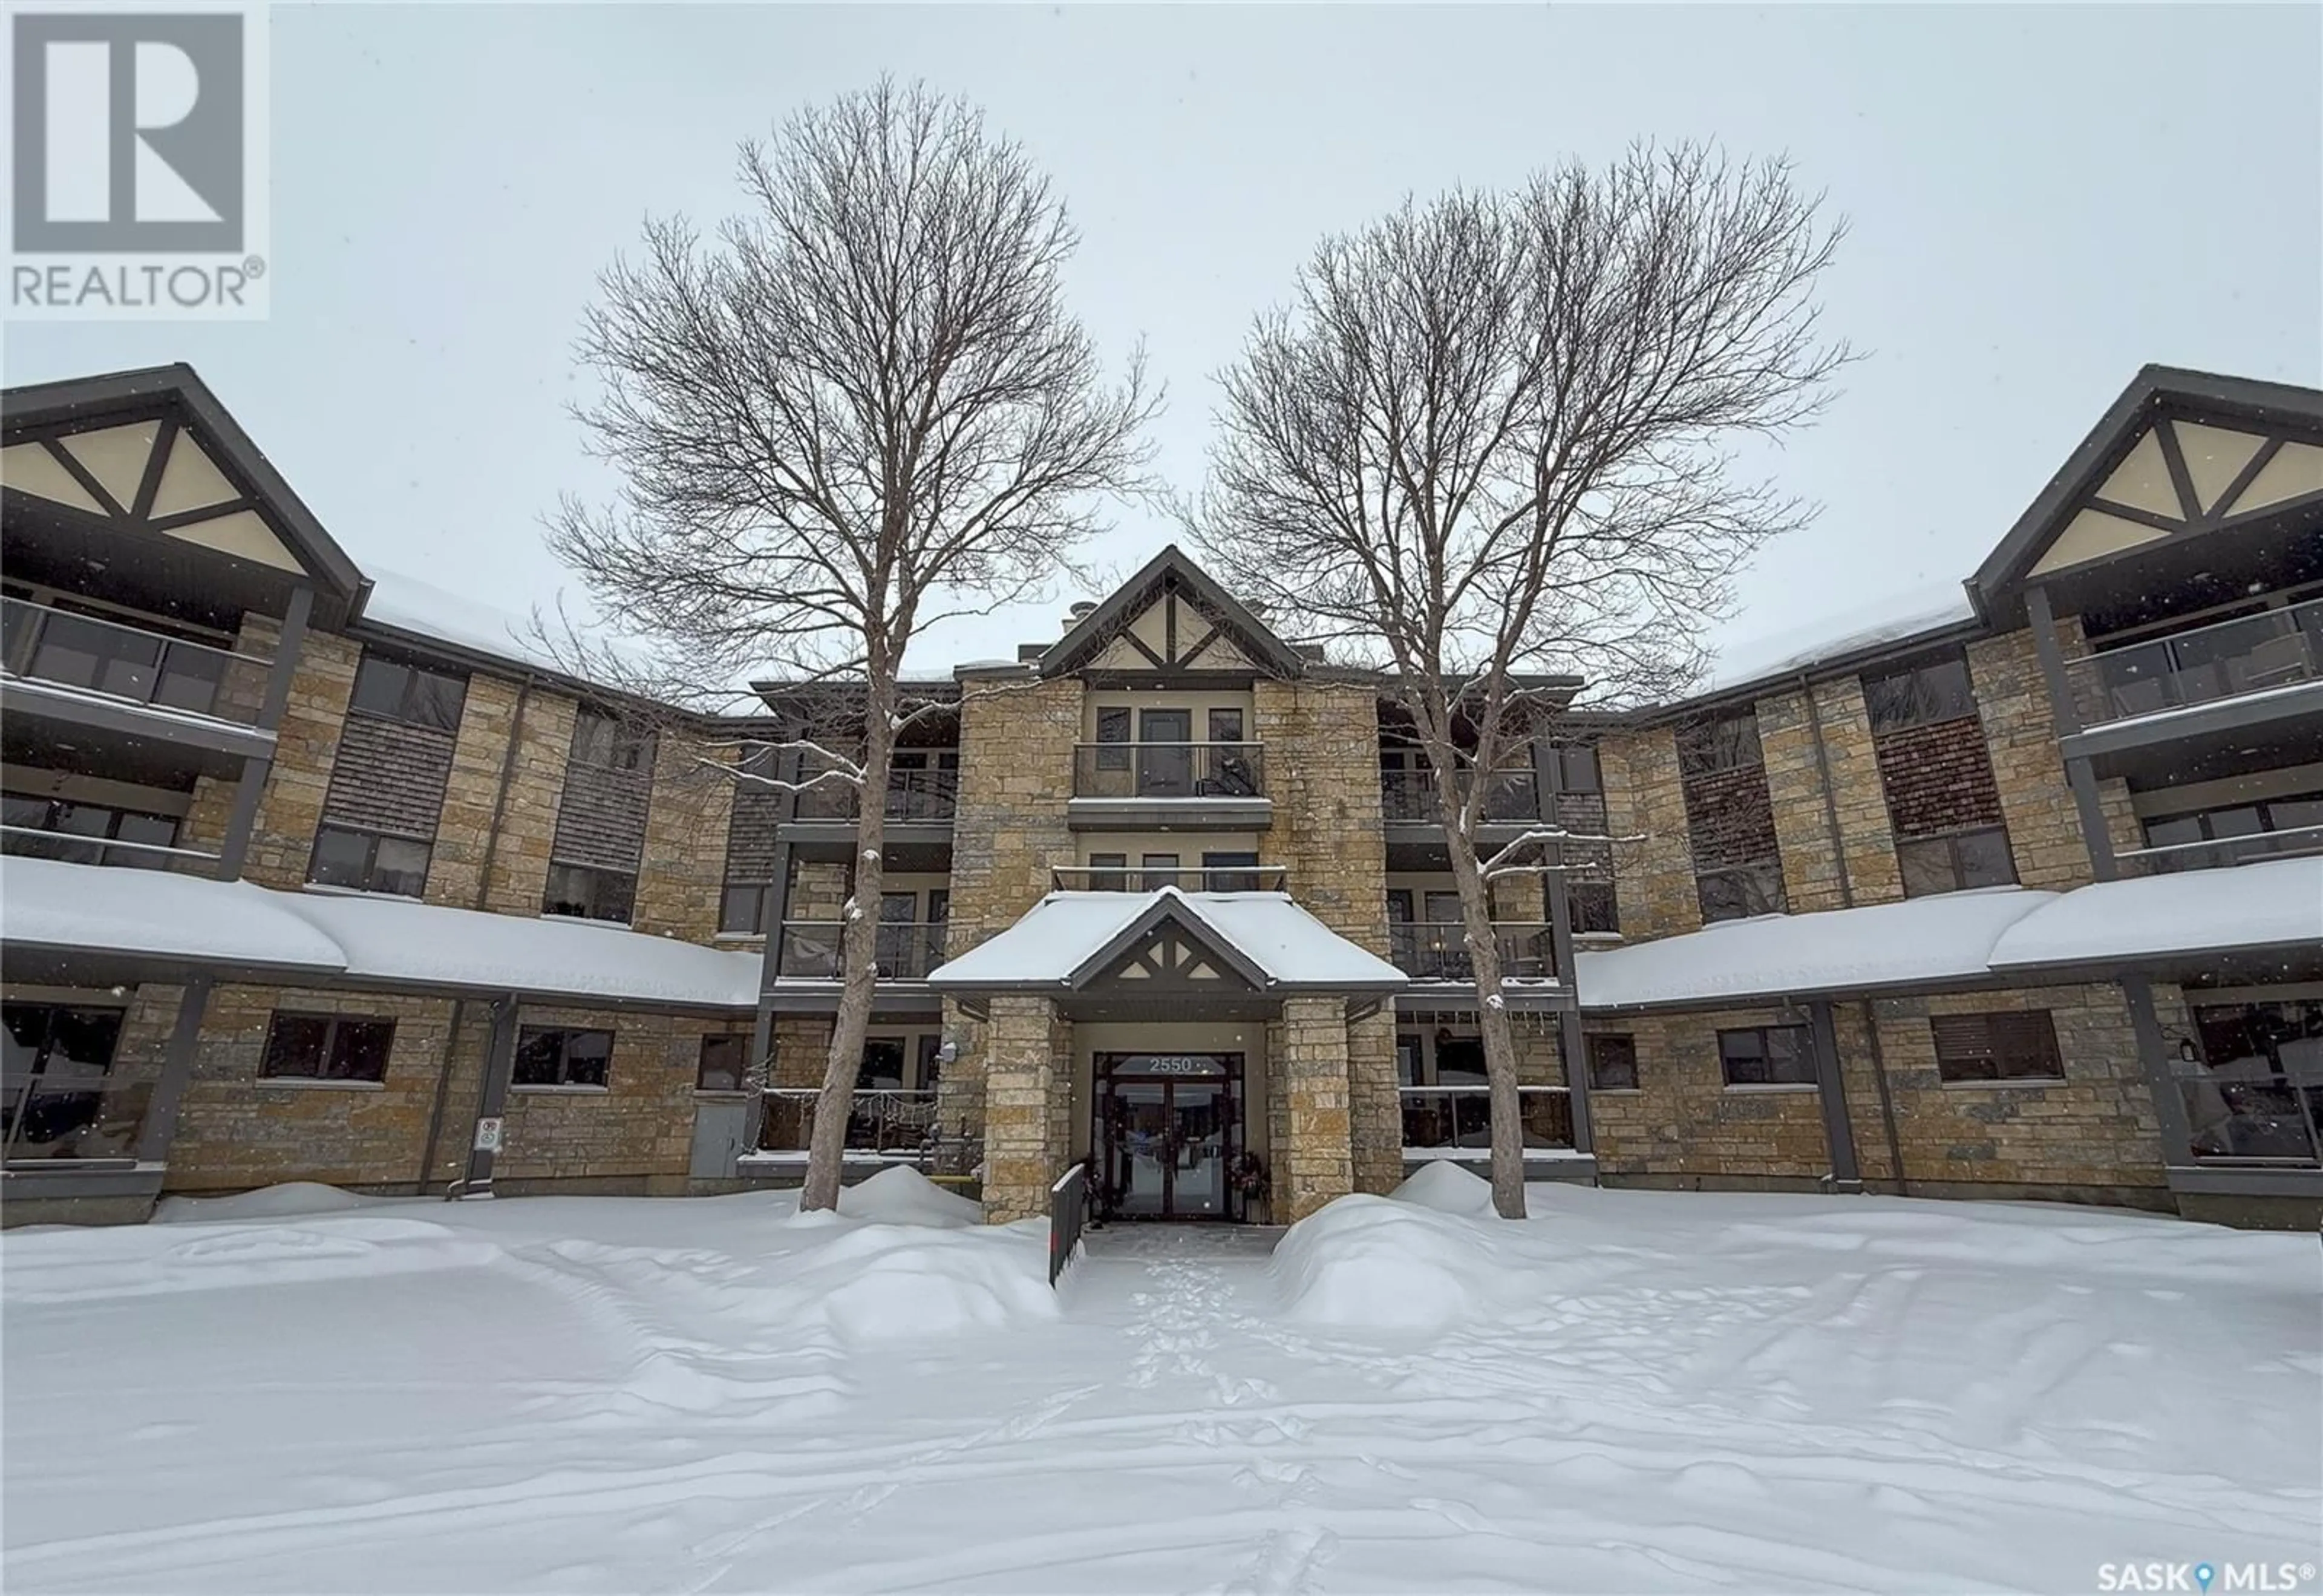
(1492, 1019)
(859, 962)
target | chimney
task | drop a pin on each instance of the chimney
(1077, 612)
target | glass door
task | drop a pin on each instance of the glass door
(1198, 1165)
(1138, 1148)
(1165, 766)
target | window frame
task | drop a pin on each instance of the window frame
(1600, 893)
(1769, 871)
(1572, 756)
(1617, 1041)
(1115, 732)
(1955, 1068)
(1898, 700)
(528, 1036)
(761, 897)
(739, 1044)
(1951, 841)
(548, 894)
(1801, 1055)
(371, 839)
(327, 1053)
(601, 740)
(1707, 745)
(419, 685)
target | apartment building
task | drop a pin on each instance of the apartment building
(310, 875)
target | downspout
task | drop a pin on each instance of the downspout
(1847, 901)
(483, 898)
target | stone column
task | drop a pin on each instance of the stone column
(1312, 1075)
(1376, 1107)
(1022, 1077)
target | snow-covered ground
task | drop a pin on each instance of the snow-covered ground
(1633, 1391)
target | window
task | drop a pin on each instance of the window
(1612, 1063)
(554, 1056)
(1766, 1056)
(1230, 872)
(1112, 728)
(1577, 769)
(1108, 872)
(607, 743)
(368, 861)
(1225, 726)
(1161, 870)
(413, 694)
(742, 908)
(326, 1047)
(1740, 891)
(588, 893)
(71, 820)
(2020, 1046)
(1594, 908)
(882, 1065)
(931, 1055)
(725, 1065)
(57, 1061)
(1950, 864)
(1721, 742)
(1919, 695)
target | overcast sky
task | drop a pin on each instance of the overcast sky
(2042, 201)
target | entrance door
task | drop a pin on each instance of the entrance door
(1165, 767)
(1164, 1138)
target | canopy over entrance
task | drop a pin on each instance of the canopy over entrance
(1164, 952)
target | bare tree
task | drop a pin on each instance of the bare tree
(861, 407)
(1488, 440)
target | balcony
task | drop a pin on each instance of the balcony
(1409, 796)
(130, 665)
(1198, 878)
(2211, 853)
(1169, 770)
(882, 1123)
(1438, 950)
(1457, 1121)
(2228, 659)
(912, 795)
(811, 950)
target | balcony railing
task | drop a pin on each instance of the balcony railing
(1511, 795)
(2214, 852)
(912, 795)
(907, 951)
(41, 643)
(1442, 1119)
(890, 1123)
(1169, 770)
(1438, 950)
(2226, 659)
(1198, 878)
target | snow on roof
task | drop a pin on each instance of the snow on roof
(410, 605)
(156, 914)
(1914, 943)
(1802, 643)
(395, 940)
(2274, 903)
(366, 939)
(1057, 936)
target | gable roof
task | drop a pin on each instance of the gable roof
(2156, 393)
(1068, 938)
(1170, 570)
(177, 394)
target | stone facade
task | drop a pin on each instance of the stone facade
(2044, 828)
(1027, 1092)
(1803, 808)
(1315, 1161)
(683, 869)
(1644, 811)
(1016, 739)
